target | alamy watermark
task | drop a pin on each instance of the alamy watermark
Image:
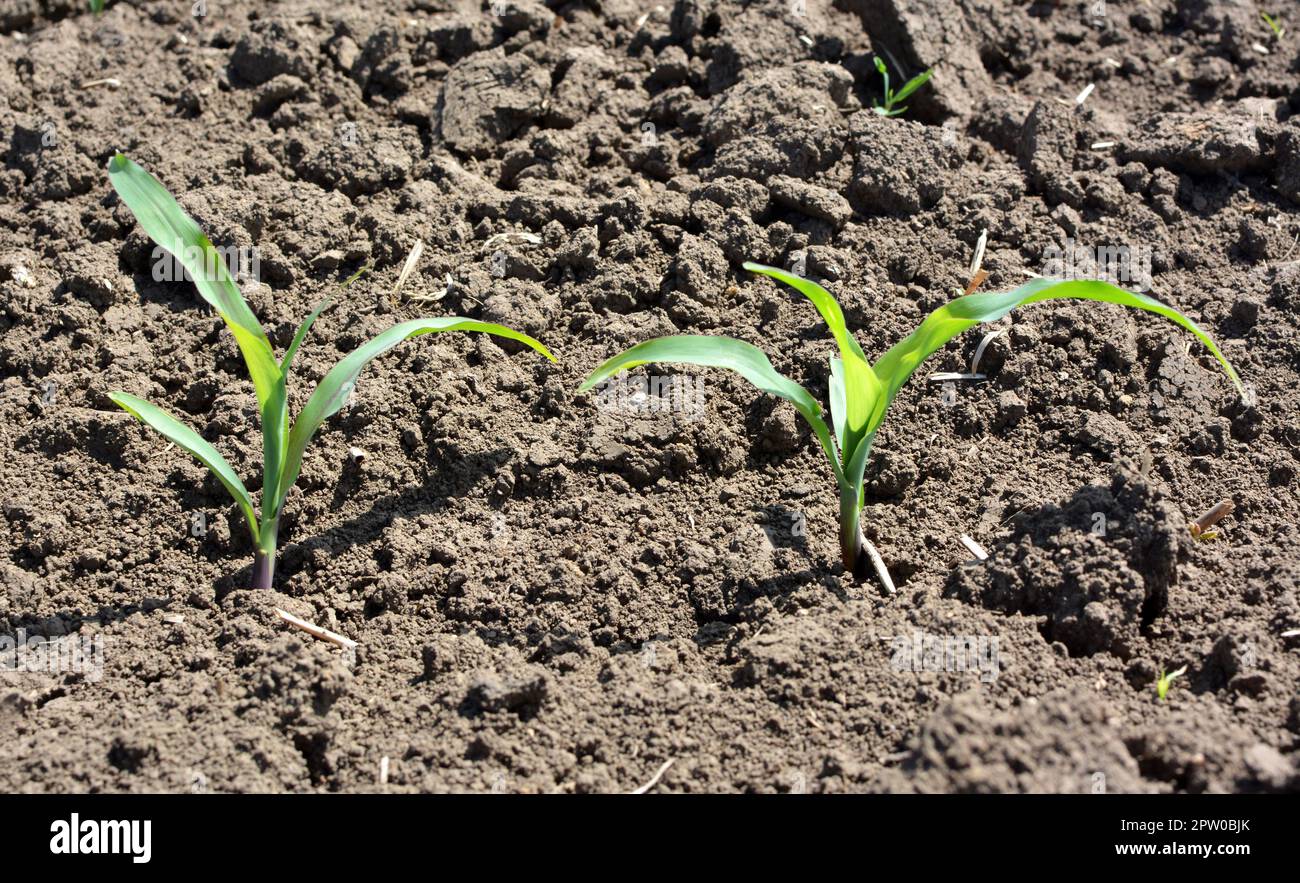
(1126, 265)
(634, 395)
(921, 651)
(64, 654)
(215, 263)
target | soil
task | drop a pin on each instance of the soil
(552, 595)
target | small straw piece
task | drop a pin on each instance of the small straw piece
(523, 235)
(1083, 96)
(316, 631)
(1291, 633)
(114, 82)
(654, 780)
(879, 564)
(383, 770)
(1210, 518)
(975, 548)
(1102, 145)
(977, 260)
(979, 350)
(977, 279)
(945, 376)
(411, 260)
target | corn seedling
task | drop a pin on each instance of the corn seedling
(859, 392)
(1167, 680)
(1201, 527)
(163, 220)
(892, 98)
(96, 6)
(1275, 25)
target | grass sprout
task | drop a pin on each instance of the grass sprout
(860, 393)
(1275, 25)
(1166, 681)
(283, 443)
(891, 107)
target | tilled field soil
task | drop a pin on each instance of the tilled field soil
(549, 594)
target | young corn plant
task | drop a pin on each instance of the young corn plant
(1274, 24)
(283, 443)
(892, 99)
(1166, 680)
(860, 393)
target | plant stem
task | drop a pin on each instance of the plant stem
(263, 569)
(264, 559)
(850, 532)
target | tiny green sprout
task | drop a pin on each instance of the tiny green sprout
(1275, 25)
(283, 444)
(96, 6)
(892, 98)
(1167, 680)
(859, 392)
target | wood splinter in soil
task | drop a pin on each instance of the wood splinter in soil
(316, 631)
(1209, 518)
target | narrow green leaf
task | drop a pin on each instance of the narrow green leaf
(912, 85)
(166, 223)
(722, 352)
(275, 443)
(177, 432)
(884, 76)
(334, 388)
(950, 320)
(287, 362)
(861, 386)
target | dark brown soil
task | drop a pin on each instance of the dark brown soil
(552, 596)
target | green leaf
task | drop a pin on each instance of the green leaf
(950, 320)
(912, 85)
(275, 441)
(862, 389)
(166, 223)
(334, 388)
(287, 362)
(745, 359)
(178, 433)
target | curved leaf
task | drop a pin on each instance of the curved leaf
(745, 359)
(275, 417)
(177, 432)
(950, 320)
(287, 362)
(862, 389)
(912, 85)
(838, 402)
(166, 223)
(334, 388)
(275, 441)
